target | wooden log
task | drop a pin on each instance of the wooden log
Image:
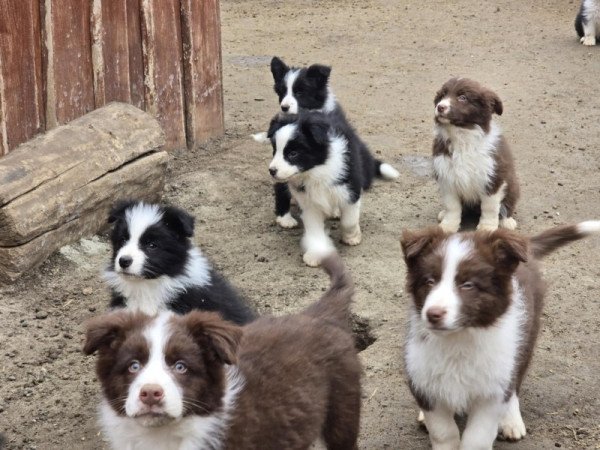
(161, 42)
(201, 34)
(59, 186)
(21, 100)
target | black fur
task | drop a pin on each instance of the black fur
(580, 20)
(167, 247)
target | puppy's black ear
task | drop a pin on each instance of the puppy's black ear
(278, 69)
(319, 73)
(179, 221)
(118, 210)
(495, 103)
(278, 121)
(316, 128)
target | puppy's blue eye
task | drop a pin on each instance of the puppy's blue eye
(180, 367)
(467, 286)
(462, 98)
(135, 366)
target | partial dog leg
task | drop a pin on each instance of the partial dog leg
(350, 222)
(490, 210)
(589, 32)
(315, 241)
(450, 217)
(512, 426)
(282, 206)
(482, 425)
(442, 428)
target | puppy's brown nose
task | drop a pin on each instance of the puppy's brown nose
(151, 394)
(435, 314)
(441, 108)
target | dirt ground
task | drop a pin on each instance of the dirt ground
(389, 58)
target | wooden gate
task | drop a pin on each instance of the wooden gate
(60, 59)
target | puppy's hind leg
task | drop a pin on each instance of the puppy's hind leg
(589, 32)
(512, 426)
(350, 222)
(282, 206)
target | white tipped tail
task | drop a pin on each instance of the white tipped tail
(388, 172)
(261, 137)
(546, 242)
(589, 227)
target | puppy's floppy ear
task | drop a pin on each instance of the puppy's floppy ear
(414, 243)
(179, 221)
(509, 248)
(102, 331)
(315, 127)
(118, 210)
(495, 103)
(319, 73)
(278, 69)
(209, 330)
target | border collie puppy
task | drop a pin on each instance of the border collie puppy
(155, 266)
(587, 22)
(472, 162)
(198, 382)
(477, 302)
(325, 168)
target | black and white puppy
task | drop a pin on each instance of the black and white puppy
(155, 266)
(587, 22)
(325, 167)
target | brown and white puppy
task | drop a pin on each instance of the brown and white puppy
(477, 302)
(199, 382)
(472, 162)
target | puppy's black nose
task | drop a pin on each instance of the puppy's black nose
(125, 261)
(441, 108)
(272, 171)
(285, 108)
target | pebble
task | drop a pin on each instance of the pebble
(41, 315)
(87, 291)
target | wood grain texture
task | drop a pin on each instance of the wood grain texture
(161, 41)
(21, 99)
(201, 34)
(70, 84)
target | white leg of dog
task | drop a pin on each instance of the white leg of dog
(512, 426)
(442, 428)
(490, 210)
(452, 214)
(349, 220)
(315, 242)
(286, 221)
(482, 425)
(589, 33)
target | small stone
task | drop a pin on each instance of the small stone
(87, 291)
(92, 309)
(41, 315)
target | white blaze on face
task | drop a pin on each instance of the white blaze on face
(445, 295)
(284, 169)
(156, 372)
(289, 101)
(138, 219)
(447, 104)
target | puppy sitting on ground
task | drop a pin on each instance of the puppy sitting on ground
(198, 382)
(587, 22)
(472, 162)
(325, 168)
(477, 302)
(155, 266)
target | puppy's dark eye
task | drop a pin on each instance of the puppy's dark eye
(180, 367)
(467, 286)
(151, 245)
(462, 98)
(134, 366)
(122, 241)
(293, 154)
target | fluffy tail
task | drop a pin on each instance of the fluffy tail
(261, 137)
(545, 243)
(385, 170)
(334, 305)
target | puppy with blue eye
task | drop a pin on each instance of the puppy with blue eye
(325, 169)
(155, 267)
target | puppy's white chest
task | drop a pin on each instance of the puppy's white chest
(322, 196)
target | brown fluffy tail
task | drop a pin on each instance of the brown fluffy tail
(334, 305)
(545, 243)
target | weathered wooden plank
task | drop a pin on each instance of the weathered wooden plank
(143, 179)
(21, 100)
(70, 84)
(161, 40)
(46, 182)
(136, 61)
(201, 34)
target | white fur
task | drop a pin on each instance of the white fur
(591, 22)
(388, 172)
(261, 137)
(445, 295)
(153, 295)
(490, 210)
(589, 227)
(181, 433)
(511, 425)
(467, 371)
(286, 221)
(289, 100)
(330, 102)
(284, 169)
(447, 103)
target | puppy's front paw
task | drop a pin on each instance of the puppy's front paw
(286, 221)
(449, 226)
(441, 215)
(353, 238)
(487, 226)
(512, 427)
(588, 40)
(312, 259)
(509, 223)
